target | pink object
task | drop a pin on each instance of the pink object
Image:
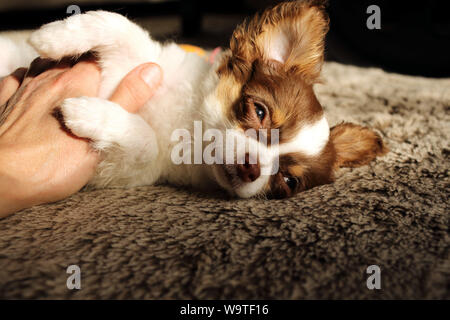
(214, 54)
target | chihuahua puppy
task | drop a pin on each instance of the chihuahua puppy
(263, 82)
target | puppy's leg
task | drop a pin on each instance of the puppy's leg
(119, 44)
(95, 30)
(127, 142)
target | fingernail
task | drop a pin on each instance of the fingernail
(151, 75)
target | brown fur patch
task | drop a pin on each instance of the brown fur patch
(296, 170)
(303, 23)
(356, 145)
(307, 171)
(231, 81)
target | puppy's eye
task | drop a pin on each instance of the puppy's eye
(291, 182)
(260, 111)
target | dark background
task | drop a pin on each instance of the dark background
(414, 37)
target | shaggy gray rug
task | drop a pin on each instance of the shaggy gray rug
(161, 242)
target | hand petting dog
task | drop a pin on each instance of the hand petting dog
(39, 161)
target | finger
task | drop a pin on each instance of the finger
(82, 79)
(10, 84)
(137, 87)
(39, 69)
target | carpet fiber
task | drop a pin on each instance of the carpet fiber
(161, 242)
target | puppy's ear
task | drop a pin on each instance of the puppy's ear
(291, 34)
(355, 145)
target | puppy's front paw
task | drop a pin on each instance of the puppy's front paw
(106, 124)
(51, 40)
(82, 118)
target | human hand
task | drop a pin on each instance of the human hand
(39, 161)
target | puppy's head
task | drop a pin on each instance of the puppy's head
(265, 82)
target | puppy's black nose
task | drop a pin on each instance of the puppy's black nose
(248, 172)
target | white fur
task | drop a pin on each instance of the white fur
(15, 52)
(310, 140)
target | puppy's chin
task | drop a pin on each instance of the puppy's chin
(251, 189)
(226, 177)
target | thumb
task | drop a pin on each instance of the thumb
(137, 87)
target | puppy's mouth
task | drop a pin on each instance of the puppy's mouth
(227, 177)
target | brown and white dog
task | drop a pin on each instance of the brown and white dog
(262, 84)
